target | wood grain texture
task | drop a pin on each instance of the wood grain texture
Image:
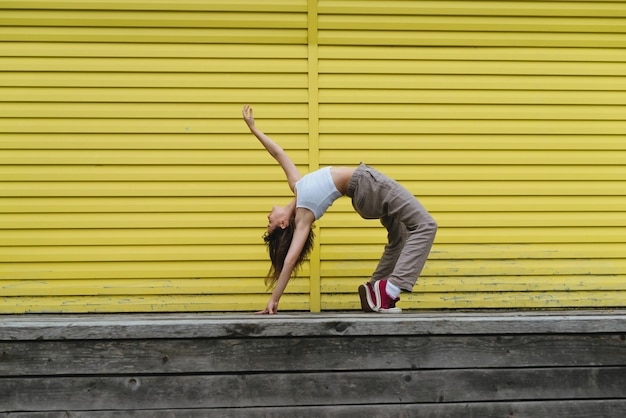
(522, 409)
(164, 326)
(539, 364)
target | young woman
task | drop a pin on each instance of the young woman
(410, 228)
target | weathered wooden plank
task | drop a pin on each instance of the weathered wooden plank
(163, 326)
(534, 409)
(300, 389)
(177, 356)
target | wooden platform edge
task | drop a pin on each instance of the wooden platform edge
(201, 325)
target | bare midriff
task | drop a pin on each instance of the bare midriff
(341, 177)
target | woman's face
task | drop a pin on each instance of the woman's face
(272, 220)
(277, 219)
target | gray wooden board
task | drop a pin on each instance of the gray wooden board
(537, 409)
(128, 326)
(302, 389)
(74, 357)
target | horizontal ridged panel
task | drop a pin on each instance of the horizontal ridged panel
(500, 117)
(124, 148)
(129, 182)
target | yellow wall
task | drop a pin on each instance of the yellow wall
(130, 183)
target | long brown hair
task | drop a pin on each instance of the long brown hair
(278, 242)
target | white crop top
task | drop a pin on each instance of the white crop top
(316, 192)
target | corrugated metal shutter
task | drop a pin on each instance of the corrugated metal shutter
(129, 182)
(507, 120)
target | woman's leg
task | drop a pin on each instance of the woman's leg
(396, 237)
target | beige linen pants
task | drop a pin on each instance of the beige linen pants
(410, 228)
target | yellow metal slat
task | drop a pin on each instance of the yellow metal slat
(147, 126)
(146, 86)
(147, 303)
(472, 127)
(147, 110)
(156, 19)
(60, 204)
(223, 189)
(470, 97)
(468, 111)
(271, 173)
(479, 251)
(474, 8)
(438, 284)
(152, 189)
(117, 50)
(461, 141)
(165, 5)
(471, 54)
(469, 157)
(357, 66)
(157, 141)
(265, 94)
(525, 235)
(150, 157)
(149, 65)
(530, 203)
(164, 236)
(488, 82)
(490, 300)
(153, 35)
(134, 220)
(472, 23)
(142, 173)
(145, 287)
(481, 39)
(72, 253)
(467, 268)
(487, 218)
(136, 270)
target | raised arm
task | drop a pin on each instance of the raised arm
(292, 173)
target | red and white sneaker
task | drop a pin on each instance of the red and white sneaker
(374, 298)
(386, 304)
(368, 297)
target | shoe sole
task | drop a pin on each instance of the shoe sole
(390, 310)
(363, 294)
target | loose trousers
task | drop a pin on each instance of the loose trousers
(410, 228)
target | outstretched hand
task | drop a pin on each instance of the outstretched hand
(248, 116)
(270, 309)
